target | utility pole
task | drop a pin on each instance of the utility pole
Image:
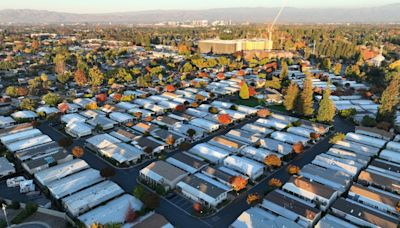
(5, 214)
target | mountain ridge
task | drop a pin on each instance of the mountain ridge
(382, 14)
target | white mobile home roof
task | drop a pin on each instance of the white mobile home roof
(142, 102)
(289, 138)
(244, 136)
(209, 152)
(183, 128)
(25, 114)
(257, 154)
(276, 145)
(30, 142)
(121, 117)
(155, 108)
(121, 152)
(329, 162)
(348, 155)
(390, 155)
(257, 129)
(222, 104)
(112, 212)
(357, 147)
(168, 104)
(47, 110)
(126, 105)
(72, 118)
(144, 112)
(271, 123)
(213, 181)
(246, 109)
(79, 129)
(60, 171)
(157, 98)
(395, 146)
(367, 140)
(20, 136)
(330, 221)
(234, 114)
(71, 184)
(244, 165)
(284, 118)
(305, 132)
(102, 141)
(89, 198)
(205, 124)
(196, 112)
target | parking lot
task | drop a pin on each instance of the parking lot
(181, 202)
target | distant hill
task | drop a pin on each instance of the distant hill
(383, 14)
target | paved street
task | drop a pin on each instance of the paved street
(172, 209)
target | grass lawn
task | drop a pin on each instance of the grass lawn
(279, 108)
(251, 102)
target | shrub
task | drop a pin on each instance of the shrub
(24, 214)
(65, 142)
(296, 123)
(213, 110)
(15, 205)
(274, 182)
(347, 113)
(263, 113)
(368, 121)
(337, 137)
(253, 199)
(292, 170)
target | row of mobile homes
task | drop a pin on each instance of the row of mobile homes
(211, 153)
(245, 166)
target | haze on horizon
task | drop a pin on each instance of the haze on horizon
(110, 6)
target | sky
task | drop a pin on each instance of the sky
(107, 6)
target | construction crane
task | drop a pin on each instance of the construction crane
(271, 27)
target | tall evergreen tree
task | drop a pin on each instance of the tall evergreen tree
(305, 104)
(284, 71)
(389, 100)
(326, 109)
(291, 97)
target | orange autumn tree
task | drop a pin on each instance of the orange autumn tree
(180, 108)
(293, 170)
(102, 97)
(263, 113)
(170, 88)
(252, 91)
(80, 77)
(148, 118)
(63, 107)
(224, 119)
(315, 136)
(398, 207)
(221, 76)
(78, 151)
(274, 182)
(273, 161)
(298, 147)
(238, 183)
(253, 198)
(197, 207)
(117, 96)
(137, 115)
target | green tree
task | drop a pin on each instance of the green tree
(284, 71)
(12, 91)
(51, 99)
(306, 101)
(187, 68)
(389, 100)
(326, 109)
(291, 97)
(27, 104)
(337, 69)
(244, 91)
(274, 83)
(64, 77)
(326, 64)
(96, 76)
(59, 61)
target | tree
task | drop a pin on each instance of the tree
(253, 199)
(78, 151)
(274, 83)
(306, 101)
(326, 64)
(337, 69)
(274, 182)
(35, 44)
(59, 61)
(389, 100)
(244, 91)
(273, 161)
(213, 110)
(80, 77)
(337, 137)
(63, 107)
(170, 140)
(101, 97)
(191, 132)
(96, 77)
(130, 215)
(284, 71)
(326, 109)
(64, 77)
(180, 108)
(291, 97)
(197, 207)
(65, 142)
(11, 91)
(139, 192)
(263, 113)
(224, 119)
(293, 170)
(28, 104)
(398, 207)
(199, 97)
(92, 106)
(148, 118)
(170, 88)
(298, 147)
(151, 200)
(51, 99)
(238, 183)
(107, 172)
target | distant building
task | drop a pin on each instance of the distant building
(217, 46)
